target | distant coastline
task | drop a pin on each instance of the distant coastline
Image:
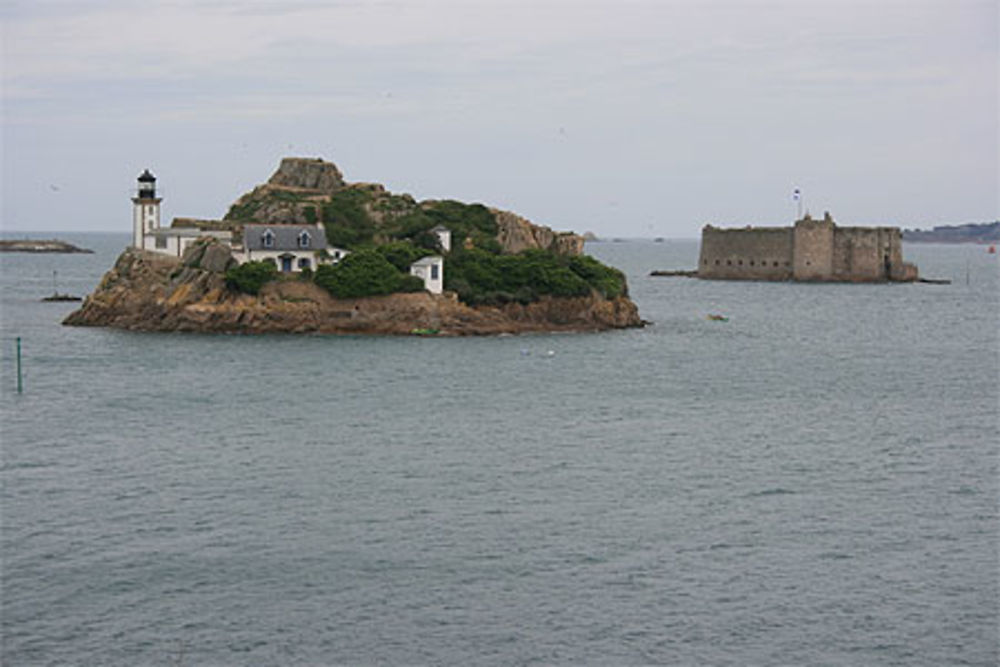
(987, 232)
(40, 245)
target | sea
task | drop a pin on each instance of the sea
(813, 481)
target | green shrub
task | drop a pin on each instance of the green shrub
(362, 273)
(608, 281)
(310, 213)
(402, 253)
(409, 225)
(251, 276)
(244, 211)
(346, 221)
(410, 283)
(483, 278)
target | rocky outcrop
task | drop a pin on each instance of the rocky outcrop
(308, 174)
(516, 234)
(266, 204)
(292, 195)
(146, 291)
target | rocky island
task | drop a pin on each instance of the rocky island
(40, 245)
(307, 252)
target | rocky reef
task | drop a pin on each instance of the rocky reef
(146, 291)
(44, 246)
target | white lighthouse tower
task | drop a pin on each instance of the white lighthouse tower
(145, 211)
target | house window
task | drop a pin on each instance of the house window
(305, 240)
(161, 241)
(303, 262)
(434, 271)
(268, 238)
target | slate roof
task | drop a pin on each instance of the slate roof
(286, 237)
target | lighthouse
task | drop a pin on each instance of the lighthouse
(145, 210)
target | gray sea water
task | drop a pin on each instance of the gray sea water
(813, 482)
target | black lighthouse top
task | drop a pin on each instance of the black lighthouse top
(147, 185)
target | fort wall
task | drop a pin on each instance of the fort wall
(761, 253)
(812, 250)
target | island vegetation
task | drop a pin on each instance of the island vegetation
(385, 233)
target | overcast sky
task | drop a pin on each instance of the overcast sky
(622, 118)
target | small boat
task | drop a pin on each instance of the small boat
(62, 297)
(56, 295)
(715, 317)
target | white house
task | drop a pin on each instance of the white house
(431, 271)
(291, 247)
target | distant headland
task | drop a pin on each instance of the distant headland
(307, 252)
(37, 245)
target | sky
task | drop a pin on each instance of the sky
(623, 118)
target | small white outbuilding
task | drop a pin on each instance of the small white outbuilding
(431, 271)
(443, 236)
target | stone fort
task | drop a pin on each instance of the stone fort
(811, 250)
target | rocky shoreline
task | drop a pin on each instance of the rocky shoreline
(146, 291)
